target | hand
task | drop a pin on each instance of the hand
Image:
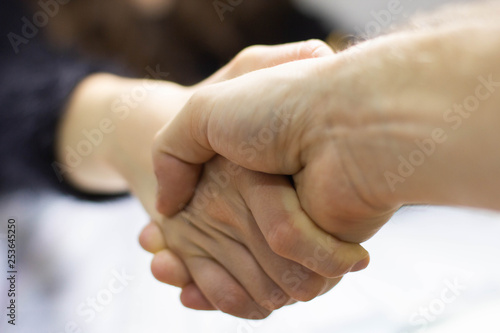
(304, 119)
(355, 120)
(343, 127)
(120, 161)
(278, 128)
(218, 238)
(125, 114)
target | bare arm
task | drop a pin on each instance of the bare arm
(350, 119)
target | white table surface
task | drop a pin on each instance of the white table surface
(70, 249)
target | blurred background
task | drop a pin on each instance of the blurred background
(81, 269)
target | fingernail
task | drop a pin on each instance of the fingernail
(360, 265)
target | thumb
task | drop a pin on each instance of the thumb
(177, 179)
(260, 56)
(177, 159)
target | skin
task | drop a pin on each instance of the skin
(218, 238)
(200, 237)
(350, 120)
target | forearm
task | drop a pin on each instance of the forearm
(430, 103)
(108, 129)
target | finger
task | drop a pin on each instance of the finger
(244, 267)
(290, 232)
(151, 238)
(222, 290)
(330, 283)
(170, 269)
(258, 57)
(176, 181)
(239, 263)
(295, 280)
(193, 298)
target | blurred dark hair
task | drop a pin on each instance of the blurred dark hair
(189, 40)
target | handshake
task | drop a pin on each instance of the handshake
(267, 176)
(261, 199)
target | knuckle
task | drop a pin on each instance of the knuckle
(283, 237)
(198, 99)
(158, 149)
(233, 301)
(334, 266)
(314, 43)
(247, 59)
(330, 284)
(313, 48)
(157, 143)
(274, 300)
(252, 52)
(309, 289)
(257, 314)
(198, 109)
(338, 267)
(343, 259)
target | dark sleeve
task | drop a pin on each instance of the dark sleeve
(35, 84)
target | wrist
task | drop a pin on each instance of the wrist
(140, 108)
(445, 143)
(84, 132)
(106, 133)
